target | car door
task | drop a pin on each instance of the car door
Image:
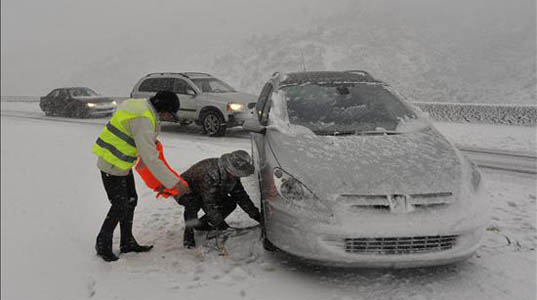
(187, 97)
(63, 102)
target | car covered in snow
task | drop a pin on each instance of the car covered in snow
(352, 175)
(78, 102)
(205, 99)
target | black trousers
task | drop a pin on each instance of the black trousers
(121, 193)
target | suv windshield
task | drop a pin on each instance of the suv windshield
(82, 92)
(212, 85)
(347, 108)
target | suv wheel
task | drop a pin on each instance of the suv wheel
(213, 123)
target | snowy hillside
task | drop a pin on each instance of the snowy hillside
(429, 54)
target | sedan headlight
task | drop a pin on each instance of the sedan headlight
(300, 196)
(90, 104)
(235, 107)
(114, 102)
(289, 187)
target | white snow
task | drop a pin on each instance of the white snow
(53, 202)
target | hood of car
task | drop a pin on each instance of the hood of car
(93, 99)
(409, 163)
(235, 97)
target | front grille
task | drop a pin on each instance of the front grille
(400, 245)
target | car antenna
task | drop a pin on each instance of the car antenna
(303, 60)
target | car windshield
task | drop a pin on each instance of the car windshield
(212, 85)
(349, 108)
(82, 92)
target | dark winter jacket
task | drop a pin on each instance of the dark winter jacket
(210, 184)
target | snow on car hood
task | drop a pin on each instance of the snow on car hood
(235, 97)
(417, 162)
(93, 99)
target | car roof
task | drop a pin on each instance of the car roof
(184, 74)
(326, 76)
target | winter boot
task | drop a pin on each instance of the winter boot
(189, 241)
(128, 242)
(103, 246)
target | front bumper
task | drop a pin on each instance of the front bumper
(395, 241)
(238, 118)
(100, 110)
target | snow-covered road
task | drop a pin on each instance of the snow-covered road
(52, 204)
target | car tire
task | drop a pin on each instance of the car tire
(213, 123)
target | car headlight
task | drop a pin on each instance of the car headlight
(90, 104)
(300, 196)
(114, 103)
(289, 187)
(235, 107)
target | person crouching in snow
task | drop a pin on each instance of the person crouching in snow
(132, 133)
(216, 188)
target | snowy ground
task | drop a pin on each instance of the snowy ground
(53, 202)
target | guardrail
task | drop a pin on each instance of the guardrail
(521, 115)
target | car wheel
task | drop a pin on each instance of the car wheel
(213, 123)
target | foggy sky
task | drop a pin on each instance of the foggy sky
(45, 43)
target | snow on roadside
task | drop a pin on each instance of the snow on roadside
(52, 204)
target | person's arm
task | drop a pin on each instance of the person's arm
(209, 188)
(243, 200)
(143, 134)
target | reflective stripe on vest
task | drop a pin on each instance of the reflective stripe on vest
(115, 143)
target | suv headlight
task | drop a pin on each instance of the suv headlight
(90, 104)
(235, 107)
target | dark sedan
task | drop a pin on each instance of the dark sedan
(78, 102)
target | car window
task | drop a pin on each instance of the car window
(157, 84)
(212, 85)
(82, 92)
(54, 93)
(63, 94)
(263, 104)
(180, 86)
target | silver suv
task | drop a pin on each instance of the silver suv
(205, 99)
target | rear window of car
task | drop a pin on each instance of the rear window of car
(156, 84)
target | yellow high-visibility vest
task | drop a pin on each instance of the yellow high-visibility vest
(115, 144)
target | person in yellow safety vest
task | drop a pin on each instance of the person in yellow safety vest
(131, 133)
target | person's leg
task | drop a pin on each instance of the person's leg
(191, 219)
(128, 242)
(115, 187)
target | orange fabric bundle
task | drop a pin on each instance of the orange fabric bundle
(151, 181)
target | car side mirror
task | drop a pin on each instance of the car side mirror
(253, 125)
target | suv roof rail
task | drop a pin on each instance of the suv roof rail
(360, 72)
(162, 73)
(188, 74)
